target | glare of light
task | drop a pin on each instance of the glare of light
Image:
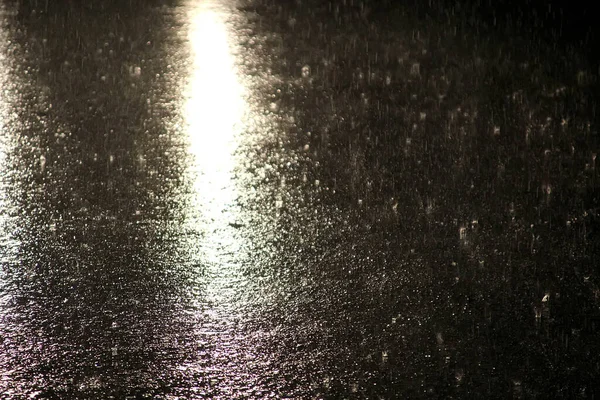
(4, 236)
(3, 118)
(214, 109)
(214, 113)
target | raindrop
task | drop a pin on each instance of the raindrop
(384, 356)
(305, 71)
(439, 338)
(517, 385)
(546, 298)
(459, 375)
(415, 69)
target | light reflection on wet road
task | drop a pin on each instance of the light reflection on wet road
(214, 122)
(214, 199)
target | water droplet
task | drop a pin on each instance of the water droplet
(439, 338)
(546, 298)
(415, 69)
(306, 71)
(459, 375)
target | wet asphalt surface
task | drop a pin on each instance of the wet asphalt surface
(298, 200)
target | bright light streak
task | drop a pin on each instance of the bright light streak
(214, 109)
(3, 118)
(214, 114)
(5, 239)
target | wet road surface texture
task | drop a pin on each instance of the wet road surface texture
(264, 199)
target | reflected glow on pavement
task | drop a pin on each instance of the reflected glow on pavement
(4, 117)
(214, 113)
(4, 234)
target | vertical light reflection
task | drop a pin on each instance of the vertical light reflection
(214, 114)
(4, 231)
(4, 237)
(2, 117)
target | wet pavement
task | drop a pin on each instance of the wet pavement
(304, 199)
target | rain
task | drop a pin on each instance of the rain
(251, 199)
